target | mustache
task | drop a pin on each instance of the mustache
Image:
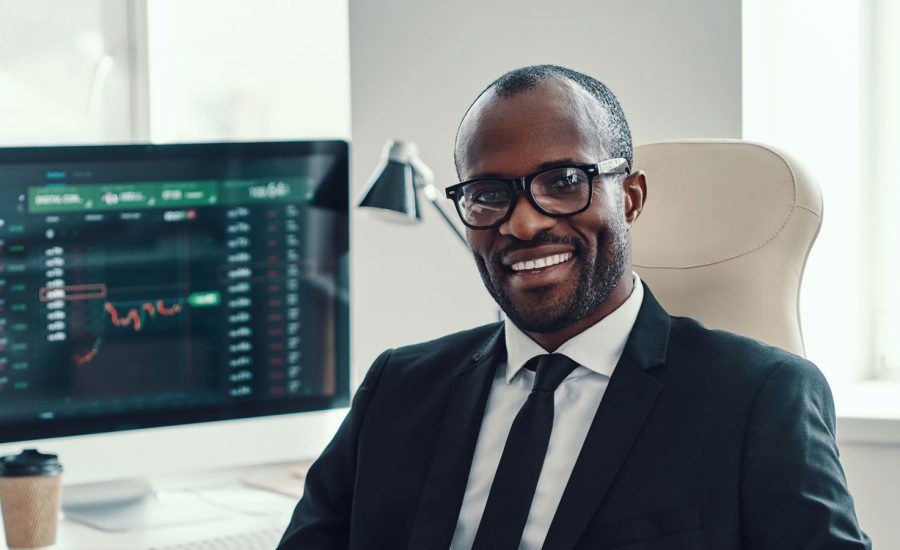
(542, 238)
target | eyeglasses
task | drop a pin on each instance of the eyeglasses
(565, 190)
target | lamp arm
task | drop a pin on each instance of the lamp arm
(431, 194)
(425, 181)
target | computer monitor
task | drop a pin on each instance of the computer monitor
(150, 292)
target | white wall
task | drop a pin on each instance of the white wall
(416, 65)
(870, 454)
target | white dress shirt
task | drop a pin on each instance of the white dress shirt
(596, 350)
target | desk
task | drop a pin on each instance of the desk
(241, 508)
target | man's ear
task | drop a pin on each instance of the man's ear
(634, 187)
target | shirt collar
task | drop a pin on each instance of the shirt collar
(598, 347)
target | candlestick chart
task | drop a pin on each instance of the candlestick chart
(136, 316)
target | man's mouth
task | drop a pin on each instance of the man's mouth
(541, 263)
(542, 266)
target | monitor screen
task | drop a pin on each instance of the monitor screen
(153, 285)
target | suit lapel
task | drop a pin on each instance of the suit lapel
(448, 473)
(625, 406)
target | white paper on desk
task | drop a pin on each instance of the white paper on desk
(160, 510)
(286, 480)
(240, 500)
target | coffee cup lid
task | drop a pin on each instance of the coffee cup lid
(30, 462)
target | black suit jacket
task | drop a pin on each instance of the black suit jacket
(703, 439)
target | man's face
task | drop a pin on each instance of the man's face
(555, 122)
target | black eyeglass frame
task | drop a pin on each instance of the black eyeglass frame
(523, 184)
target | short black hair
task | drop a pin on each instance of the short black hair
(520, 80)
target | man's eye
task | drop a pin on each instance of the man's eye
(492, 196)
(563, 183)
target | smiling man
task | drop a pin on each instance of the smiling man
(590, 419)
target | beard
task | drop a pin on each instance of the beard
(598, 272)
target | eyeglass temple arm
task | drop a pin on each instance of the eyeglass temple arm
(425, 182)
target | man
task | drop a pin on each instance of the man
(590, 418)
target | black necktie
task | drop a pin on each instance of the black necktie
(520, 465)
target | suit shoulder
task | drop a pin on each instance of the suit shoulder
(447, 349)
(690, 340)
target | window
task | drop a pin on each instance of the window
(64, 75)
(276, 69)
(882, 152)
(96, 71)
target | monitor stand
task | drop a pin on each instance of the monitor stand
(132, 505)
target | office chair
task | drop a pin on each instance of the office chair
(725, 234)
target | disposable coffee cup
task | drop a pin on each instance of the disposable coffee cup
(29, 496)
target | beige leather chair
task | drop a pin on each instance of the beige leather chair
(725, 234)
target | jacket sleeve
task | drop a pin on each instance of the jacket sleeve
(794, 494)
(321, 520)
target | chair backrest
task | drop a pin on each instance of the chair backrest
(725, 234)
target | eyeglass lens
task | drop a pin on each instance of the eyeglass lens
(557, 191)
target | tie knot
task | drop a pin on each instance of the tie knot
(550, 370)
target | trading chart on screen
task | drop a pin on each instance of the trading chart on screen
(175, 284)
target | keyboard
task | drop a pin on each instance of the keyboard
(265, 539)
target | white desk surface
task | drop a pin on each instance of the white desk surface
(242, 508)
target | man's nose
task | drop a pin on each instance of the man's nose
(525, 221)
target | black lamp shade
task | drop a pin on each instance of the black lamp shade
(394, 190)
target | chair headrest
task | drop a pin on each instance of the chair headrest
(746, 191)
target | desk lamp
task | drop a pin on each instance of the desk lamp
(394, 185)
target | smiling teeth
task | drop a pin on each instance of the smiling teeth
(542, 262)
